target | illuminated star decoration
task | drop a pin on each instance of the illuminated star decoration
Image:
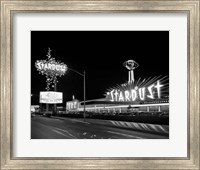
(51, 68)
(150, 90)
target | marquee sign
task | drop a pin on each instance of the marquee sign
(149, 89)
(72, 105)
(51, 97)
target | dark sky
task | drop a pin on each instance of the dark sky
(101, 54)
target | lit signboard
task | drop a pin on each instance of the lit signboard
(149, 89)
(51, 66)
(72, 105)
(51, 69)
(51, 97)
(139, 90)
(136, 93)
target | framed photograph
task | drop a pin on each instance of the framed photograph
(99, 84)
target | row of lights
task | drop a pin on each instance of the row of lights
(163, 101)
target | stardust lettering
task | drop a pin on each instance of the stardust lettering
(151, 92)
(40, 65)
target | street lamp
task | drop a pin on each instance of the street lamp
(83, 75)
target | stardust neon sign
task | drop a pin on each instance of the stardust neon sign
(42, 65)
(151, 92)
(51, 68)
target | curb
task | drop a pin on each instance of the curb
(142, 126)
(154, 128)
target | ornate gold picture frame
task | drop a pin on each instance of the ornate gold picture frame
(10, 8)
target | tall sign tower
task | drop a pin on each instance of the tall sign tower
(51, 69)
(130, 65)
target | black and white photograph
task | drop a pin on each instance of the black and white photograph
(99, 85)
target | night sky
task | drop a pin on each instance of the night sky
(101, 54)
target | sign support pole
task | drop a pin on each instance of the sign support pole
(55, 89)
(45, 68)
(47, 107)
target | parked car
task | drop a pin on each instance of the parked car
(33, 114)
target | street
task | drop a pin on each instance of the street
(73, 128)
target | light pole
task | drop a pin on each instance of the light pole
(55, 89)
(84, 94)
(84, 89)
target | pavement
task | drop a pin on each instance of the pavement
(72, 128)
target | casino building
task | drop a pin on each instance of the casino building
(147, 95)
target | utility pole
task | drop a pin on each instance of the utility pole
(84, 88)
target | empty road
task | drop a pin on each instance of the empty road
(72, 128)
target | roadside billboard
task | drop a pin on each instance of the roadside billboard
(51, 97)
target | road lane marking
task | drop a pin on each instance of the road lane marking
(75, 120)
(58, 119)
(66, 132)
(80, 121)
(61, 133)
(125, 135)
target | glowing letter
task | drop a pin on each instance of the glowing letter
(127, 95)
(53, 66)
(133, 94)
(63, 68)
(75, 105)
(121, 98)
(158, 86)
(112, 97)
(150, 91)
(38, 65)
(116, 95)
(49, 66)
(57, 67)
(42, 65)
(142, 93)
(45, 66)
